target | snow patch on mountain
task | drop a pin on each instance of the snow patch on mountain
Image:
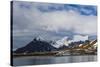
(61, 42)
(66, 42)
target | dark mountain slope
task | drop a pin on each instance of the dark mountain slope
(36, 46)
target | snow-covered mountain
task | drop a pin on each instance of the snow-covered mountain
(38, 44)
(61, 42)
(65, 42)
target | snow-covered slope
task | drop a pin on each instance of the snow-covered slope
(61, 42)
(66, 42)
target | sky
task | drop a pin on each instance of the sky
(51, 21)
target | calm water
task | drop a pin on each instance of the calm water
(52, 60)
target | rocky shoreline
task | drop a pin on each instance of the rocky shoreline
(55, 53)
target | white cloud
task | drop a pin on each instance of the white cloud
(58, 20)
(54, 21)
(80, 38)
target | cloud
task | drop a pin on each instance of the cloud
(54, 21)
(81, 9)
(62, 20)
(80, 38)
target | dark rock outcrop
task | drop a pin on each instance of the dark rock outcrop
(36, 46)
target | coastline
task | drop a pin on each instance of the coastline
(51, 55)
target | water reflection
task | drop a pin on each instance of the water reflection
(52, 60)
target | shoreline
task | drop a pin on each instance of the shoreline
(52, 55)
